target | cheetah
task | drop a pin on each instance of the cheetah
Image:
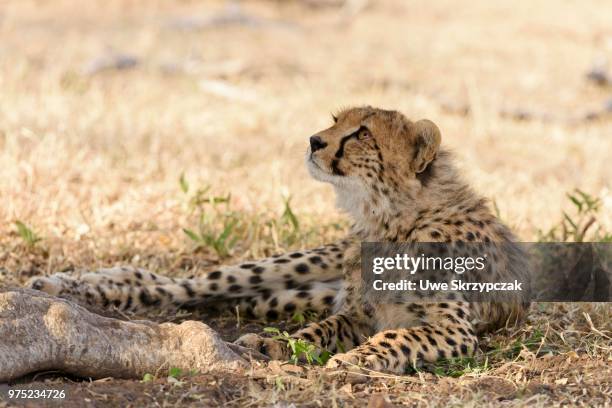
(398, 184)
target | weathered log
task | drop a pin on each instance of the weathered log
(39, 332)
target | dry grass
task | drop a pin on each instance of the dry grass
(91, 161)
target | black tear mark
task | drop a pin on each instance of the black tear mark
(340, 152)
(346, 138)
(335, 169)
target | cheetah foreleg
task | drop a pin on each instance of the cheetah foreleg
(397, 351)
(337, 333)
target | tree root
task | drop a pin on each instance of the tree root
(39, 332)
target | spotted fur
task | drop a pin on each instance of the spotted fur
(392, 177)
(398, 185)
(272, 288)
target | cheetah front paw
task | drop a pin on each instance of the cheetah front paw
(275, 349)
(356, 361)
(343, 360)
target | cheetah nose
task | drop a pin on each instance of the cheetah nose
(316, 143)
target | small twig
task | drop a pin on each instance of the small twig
(592, 326)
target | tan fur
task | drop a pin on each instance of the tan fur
(399, 185)
(377, 161)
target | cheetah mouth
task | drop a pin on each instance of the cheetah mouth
(311, 161)
(316, 170)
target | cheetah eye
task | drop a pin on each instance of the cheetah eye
(364, 133)
(335, 118)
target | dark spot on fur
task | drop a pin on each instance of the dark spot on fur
(328, 300)
(188, 289)
(315, 260)
(302, 268)
(255, 279)
(266, 293)
(146, 299)
(214, 275)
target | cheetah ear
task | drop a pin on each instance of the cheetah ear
(426, 141)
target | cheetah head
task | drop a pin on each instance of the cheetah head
(370, 153)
